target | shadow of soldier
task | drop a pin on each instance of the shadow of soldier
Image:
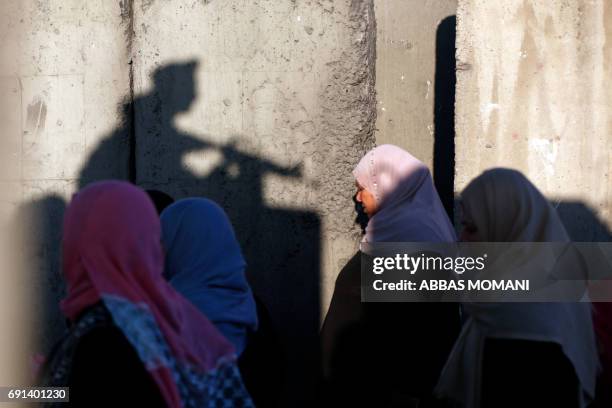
(281, 245)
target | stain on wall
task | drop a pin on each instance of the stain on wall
(535, 96)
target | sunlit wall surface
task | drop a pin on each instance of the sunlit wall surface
(533, 94)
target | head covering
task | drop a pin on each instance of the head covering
(204, 263)
(505, 207)
(112, 253)
(409, 208)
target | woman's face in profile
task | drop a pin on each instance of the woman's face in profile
(367, 200)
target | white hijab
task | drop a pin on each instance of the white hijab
(505, 207)
(409, 209)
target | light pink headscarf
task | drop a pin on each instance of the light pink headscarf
(409, 209)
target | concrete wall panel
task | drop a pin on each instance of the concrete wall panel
(415, 84)
(533, 94)
(264, 107)
(406, 72)
(64, 71)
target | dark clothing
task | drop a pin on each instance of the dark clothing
(527, 374)
(100, 366)
(383, 354)
(106, 369)
(160, 199)
(261, 363)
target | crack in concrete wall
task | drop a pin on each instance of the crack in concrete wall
(127, 15)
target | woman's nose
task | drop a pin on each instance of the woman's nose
(358, 196)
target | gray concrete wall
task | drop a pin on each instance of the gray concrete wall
(415, 83)
(267, 106)
(406, 62)
(62, 72)
(13, 303)
(533, 93)
(263, 106)
(271, 116)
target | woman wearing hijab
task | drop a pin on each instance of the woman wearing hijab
(132, 337)
(518, 354)
(388, 354)
(205, 264)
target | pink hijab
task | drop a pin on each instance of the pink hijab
(112, 253)
(409, 209)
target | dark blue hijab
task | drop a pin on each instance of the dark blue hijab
(204, 263)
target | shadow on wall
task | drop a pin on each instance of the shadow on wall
(444, 113)
(281, 246)
(582, 223)
(39, 225)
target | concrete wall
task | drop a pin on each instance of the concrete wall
(533, 93)
(415, 83)
(266, 107)
(271, 116)
(406, 62)
(13, 303)
(263, 106)
(62, 71)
